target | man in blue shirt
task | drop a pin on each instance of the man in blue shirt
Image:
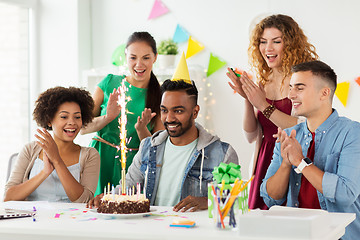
(334, 171)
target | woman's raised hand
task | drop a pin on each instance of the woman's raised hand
(236, 84)
(146, 117)
(113, 108)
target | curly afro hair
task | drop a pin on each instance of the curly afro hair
(49, 101)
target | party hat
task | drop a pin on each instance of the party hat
(182, 71)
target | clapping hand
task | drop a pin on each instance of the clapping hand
(254, 93)
(236, 84)
(291, 150)
(48, 167)
(50, 150)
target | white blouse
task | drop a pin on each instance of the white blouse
(51, 189)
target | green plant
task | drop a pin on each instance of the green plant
(168, 47)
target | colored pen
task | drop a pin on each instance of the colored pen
(33, 215)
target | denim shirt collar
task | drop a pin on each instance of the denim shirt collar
(325, 126)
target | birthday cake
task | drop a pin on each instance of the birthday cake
(124, 204)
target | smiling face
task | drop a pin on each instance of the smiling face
(271, 47)
(307, 93)
(178, 114)
(140, 59)
(67, 122)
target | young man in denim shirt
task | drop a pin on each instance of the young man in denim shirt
(175, 165)
(316, 163)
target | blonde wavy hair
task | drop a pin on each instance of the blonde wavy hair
(296, 50)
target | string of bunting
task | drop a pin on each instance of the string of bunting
(216, 63)
(181, 35)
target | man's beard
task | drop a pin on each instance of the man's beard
(181, 131)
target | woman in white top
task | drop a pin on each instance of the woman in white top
(64, 111)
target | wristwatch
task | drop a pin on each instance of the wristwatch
(304, 163)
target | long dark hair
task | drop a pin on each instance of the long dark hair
(153, 98)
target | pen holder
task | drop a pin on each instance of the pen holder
(239, 204)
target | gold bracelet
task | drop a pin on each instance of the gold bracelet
(268, 111)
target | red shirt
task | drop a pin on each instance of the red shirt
(308, 197)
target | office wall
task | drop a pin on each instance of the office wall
(223, 27)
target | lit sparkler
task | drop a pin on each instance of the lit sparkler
(122, 100)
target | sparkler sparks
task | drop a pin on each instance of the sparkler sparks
(122, 100)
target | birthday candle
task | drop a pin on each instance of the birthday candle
(113, 192)
(108, 191)
(137, 191)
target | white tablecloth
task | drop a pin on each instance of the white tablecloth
(74, 221)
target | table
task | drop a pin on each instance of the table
(75, 221)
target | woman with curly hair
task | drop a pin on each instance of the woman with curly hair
(64, 111)
(276, 44)
(143, 111)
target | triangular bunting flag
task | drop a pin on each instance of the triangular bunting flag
(193, 47)
(342, 91)
(357, 80)
(214, 64)
(158, 9)
(180, 35)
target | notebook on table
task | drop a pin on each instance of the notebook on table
(6, 213)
